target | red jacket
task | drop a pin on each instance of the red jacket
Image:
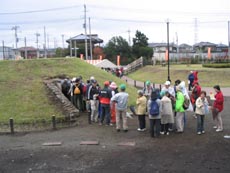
(195, 74)
(219, 102)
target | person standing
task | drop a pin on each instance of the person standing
(201, 111)
(92, 97)
(147, 90)
(105, 95)
(169, 89)
(121, 100)
(114, 88)
(154, 107)
(78, 95)
(195, 74)
(141, 103)
(196, 90)
(218, 107)
(190, 80)
(166, 112)
(179, 110)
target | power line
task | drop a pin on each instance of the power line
(41, 21)
(39, 11)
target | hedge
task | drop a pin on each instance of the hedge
(217, 65)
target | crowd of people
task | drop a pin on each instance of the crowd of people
(166, 108)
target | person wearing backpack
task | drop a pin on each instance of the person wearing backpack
(141, 103)
(78, 95)
(154, 107)
(179, 109)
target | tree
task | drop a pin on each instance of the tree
(140, 39)
(140, 46)
(118, 46)
(61, 52)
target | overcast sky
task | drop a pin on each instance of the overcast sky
(114, 18)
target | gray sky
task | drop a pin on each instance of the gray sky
(114, 18)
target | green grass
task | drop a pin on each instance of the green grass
(208, 77)
(23, 94)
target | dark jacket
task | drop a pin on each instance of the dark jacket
(191, 78)
(105, 95)
(91, 91)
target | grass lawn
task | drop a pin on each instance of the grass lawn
(208, 77)
(23, 94)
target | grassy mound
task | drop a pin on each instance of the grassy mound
(208, 77)
(23, 94)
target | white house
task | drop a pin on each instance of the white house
(6, 53)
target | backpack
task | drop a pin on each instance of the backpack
(77, 90)
(186, 102)
(154, 108)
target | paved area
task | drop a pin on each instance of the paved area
(139, 84)
(118, 152)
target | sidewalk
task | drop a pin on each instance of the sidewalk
(139, 84)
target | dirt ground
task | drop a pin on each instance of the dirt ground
(185, 152)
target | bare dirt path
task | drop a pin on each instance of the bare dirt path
(185, 152)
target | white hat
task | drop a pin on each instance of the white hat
(167, 83)
(92, 78)
(74, 79)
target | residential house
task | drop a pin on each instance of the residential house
(159, 50)
(31, 52)
(6, 53)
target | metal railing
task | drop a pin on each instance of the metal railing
(133, 66)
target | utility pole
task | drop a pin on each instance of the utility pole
(70, 46)
(37, 35)
(228, 39)
(15, 28)
(86, 48)
(196, 31)
(63, 47)
(48, 42)
(45, 42)
(25, 48)
(90, 41)
(177, 45)
(129, 37)
(168, 49)
(3, 49)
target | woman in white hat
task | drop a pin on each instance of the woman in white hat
(114, 88)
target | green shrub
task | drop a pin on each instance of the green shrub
(222, 65)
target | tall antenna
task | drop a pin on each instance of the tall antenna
(196, 31)
(84, 25)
